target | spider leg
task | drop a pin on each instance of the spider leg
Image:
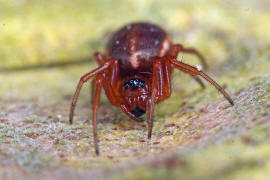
(98, 81)
(83, 79)
(175, 51)
(92, 89)
(156, 80)
(114, 76)
(126, 110)
(110, 84)
(166, 78)
(194, 71)
(99, 58)
(161, 87)
(163, 79)
(114, 71)
(176, 48)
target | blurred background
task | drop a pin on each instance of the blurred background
(42, 34)
(46, 46)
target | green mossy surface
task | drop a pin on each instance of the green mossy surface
(196, 135)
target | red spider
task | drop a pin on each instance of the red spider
(136, 72)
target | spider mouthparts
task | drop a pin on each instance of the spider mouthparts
(138, 112)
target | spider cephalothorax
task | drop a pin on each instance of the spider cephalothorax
(135, 93)
(140, 57)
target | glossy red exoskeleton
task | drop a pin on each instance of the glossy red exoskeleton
(136, 72)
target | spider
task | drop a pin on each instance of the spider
(136, 73)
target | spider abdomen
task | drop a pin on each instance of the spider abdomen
(134, 46)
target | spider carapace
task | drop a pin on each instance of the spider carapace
(136, 72)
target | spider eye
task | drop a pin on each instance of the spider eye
(134, 84)
(142, 84)
(126, 85)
